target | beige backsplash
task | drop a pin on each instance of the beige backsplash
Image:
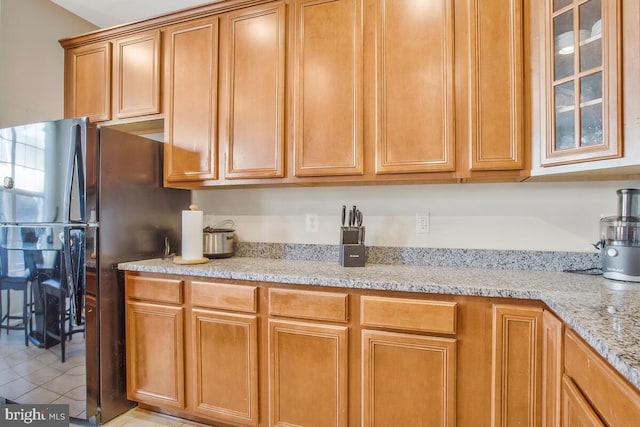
(561, 216)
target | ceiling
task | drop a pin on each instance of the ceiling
(107, 13)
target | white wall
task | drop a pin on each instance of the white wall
(32, 61)
(521, 216)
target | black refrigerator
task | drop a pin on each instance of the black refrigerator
(96, 194)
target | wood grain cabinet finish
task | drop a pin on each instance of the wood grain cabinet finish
(88, 82)
(414, 86)
(136, 75)
(155, 354)
(408, 314)
(153, 289)
(579, 91)
(225, 366)
(191, 73)
(552, 368)
(496, 85)
(615, 401)
(576, 410)
(515, 388)
(328, 136)
(254, 111)
(307, 374)
(327, 306)
(399, 368)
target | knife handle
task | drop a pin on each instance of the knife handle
(344, 214)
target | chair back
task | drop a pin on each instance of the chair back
(4, 262)
(30, 263)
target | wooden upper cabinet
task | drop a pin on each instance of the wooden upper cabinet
(255, 85)
(414, 86)
(191, 88)
(580, 80)
(136, 75)
(496, 85)
(88, 82)
(328, 137)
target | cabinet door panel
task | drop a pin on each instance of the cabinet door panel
(516, 365)
(617, 402)
(136, 77)
(414, 86)
(497, 91)
(88, 87)
(552, 356)
(307, 374)
(255, 123)
(225, 366)
(191, 55)
(155, 354)
(576, 411)
(408, 380)
(328, 88)
(582, 87)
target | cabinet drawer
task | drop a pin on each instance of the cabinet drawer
(408, 314)
(617, 402)
(151, 289)
(224, 296)
(309, 305)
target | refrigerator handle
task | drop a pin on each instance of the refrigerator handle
(76, 170)
(82, 183)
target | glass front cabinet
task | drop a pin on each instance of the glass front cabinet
(581, 85)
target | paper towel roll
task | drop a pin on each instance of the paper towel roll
(191, 235)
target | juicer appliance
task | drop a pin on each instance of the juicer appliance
(620, 238)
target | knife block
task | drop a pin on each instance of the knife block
(349, 235)
(352, 249)
(352, 255)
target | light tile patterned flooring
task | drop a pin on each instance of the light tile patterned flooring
(35, 375)
(141, 418)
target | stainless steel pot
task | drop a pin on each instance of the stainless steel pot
(219, 240)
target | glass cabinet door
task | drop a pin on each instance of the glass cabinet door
(583, 81)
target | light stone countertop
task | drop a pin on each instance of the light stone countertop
(604, 313)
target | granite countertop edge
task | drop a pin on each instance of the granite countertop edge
(603, 315)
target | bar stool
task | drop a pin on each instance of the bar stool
(58, 289)
(18, 282)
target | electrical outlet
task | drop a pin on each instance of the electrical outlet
(423, 223)
(312, 223)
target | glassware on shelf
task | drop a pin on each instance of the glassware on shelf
(591, 46)
(577, 75)
(564, 98)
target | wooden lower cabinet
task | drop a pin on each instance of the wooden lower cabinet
(517, 333)
(155, 354)
(552, 356)
(307, 374)
(576, 410)
(399, 368)
(591, 386)
(241, 353)
(224, 361)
